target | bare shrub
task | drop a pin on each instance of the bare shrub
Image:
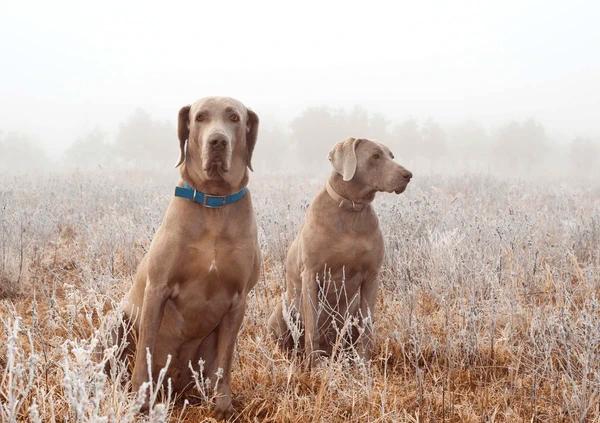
(488, 308)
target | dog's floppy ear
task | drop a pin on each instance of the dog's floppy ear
(251, 133)
(183, 131)
(343, 158)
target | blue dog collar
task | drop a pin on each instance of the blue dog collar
(207, 200)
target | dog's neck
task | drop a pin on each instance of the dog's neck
(212, 186)
(350, 195)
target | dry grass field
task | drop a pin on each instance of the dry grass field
(489, 308)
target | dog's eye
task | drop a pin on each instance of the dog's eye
(234, 118)
(200, 117)
(376, 156)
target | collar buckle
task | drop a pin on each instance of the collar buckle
(207, 198)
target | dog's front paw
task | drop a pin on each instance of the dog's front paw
(223, 407)
(145, 407)
(316, 360)
(320, 361)
(365, 355)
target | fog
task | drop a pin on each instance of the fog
(471, 85)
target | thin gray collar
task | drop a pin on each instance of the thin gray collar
(343, 202)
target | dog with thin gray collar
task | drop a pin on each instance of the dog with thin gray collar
(341, 234)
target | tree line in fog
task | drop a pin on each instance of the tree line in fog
(518, 146)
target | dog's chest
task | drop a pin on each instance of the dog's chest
(210, 283)
(215, 258)
(361, 252)
(218, 267)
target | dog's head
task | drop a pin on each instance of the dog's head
(221, 134)
(370, 164)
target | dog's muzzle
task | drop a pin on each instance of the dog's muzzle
(217, 141)
(216, 152)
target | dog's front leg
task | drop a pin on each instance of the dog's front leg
(155, 297)
(309, 314)
(368, 295)
(226, 336)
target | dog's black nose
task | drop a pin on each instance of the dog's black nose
(217, 141)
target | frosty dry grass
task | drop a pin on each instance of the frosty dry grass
(489, 305)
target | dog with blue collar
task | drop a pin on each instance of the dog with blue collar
(189, 295)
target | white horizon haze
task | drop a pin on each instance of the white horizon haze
(69, 67)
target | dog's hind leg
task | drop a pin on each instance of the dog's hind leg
(279, 329)
(207, 353)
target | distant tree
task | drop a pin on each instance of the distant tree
(378, 128)
(142, 139)
(356, 122)
(433, 140)
(314, 132)
(89, 150)
(521, 145)
(584, 156)
(360, 124)
(317, 129)
(273, 149)
(406, 139)
(21, 152)
(470, 142)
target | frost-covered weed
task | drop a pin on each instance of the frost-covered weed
(488, 308)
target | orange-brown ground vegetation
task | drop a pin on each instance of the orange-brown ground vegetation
(489, 308)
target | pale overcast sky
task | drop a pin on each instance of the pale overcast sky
(67, 67)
